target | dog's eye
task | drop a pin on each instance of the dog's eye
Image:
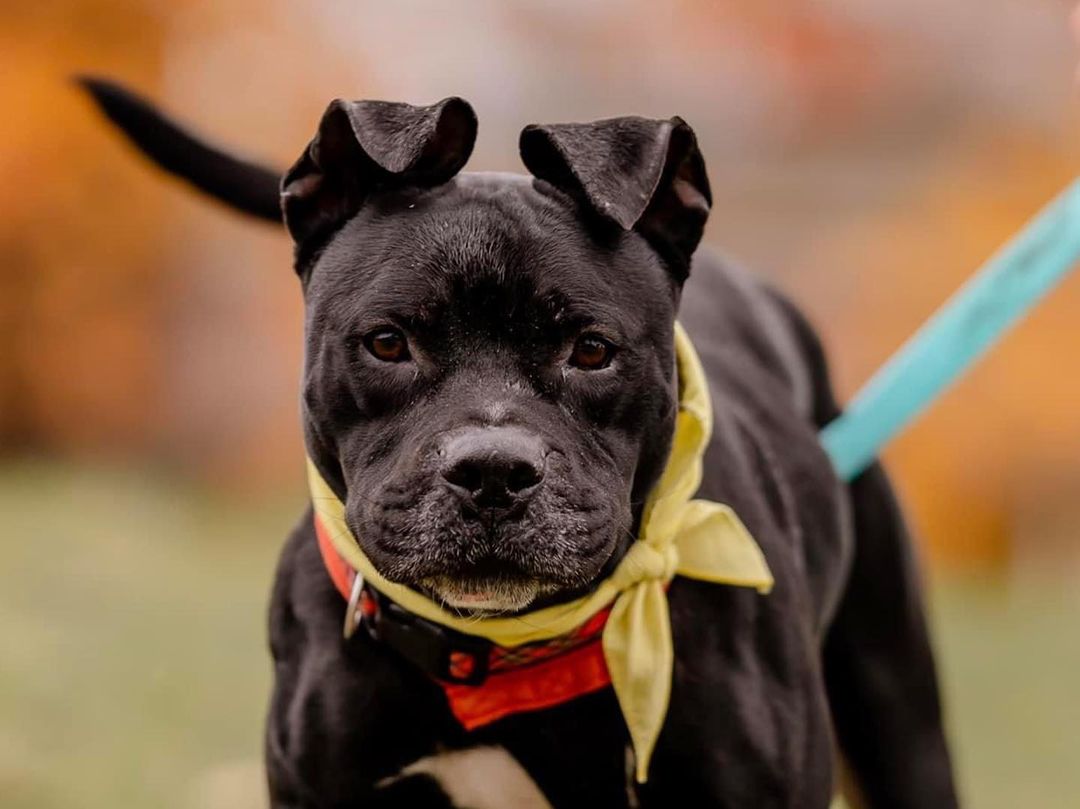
(388, 345)
(591, 353)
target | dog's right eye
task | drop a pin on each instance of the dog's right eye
(388, 345)
(591, 353)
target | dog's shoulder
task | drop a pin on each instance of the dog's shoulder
(771, 394)
(730, 311)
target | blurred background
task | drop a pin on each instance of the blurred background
(866, 155)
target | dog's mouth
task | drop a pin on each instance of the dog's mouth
(485, 595)
(419, 535)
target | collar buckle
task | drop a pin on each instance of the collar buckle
(445, 654)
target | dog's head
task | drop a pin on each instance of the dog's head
(489, 382)
(489, 376)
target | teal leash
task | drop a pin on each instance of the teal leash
(1005, 289)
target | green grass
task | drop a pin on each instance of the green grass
(1010, 660)
(133, 667)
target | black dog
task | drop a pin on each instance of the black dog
(490, 389)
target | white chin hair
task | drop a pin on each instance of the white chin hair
(487, 596)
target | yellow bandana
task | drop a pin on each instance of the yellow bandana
(697, 539)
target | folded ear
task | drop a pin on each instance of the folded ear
(362, 146)
(645, 175)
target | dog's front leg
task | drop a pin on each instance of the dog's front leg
(748, 722)
(344, 715)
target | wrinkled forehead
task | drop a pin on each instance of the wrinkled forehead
(487, 252)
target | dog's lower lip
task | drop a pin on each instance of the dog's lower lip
(481, 595)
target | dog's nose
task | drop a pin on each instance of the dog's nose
(493, 467)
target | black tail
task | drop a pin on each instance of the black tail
(245, 186)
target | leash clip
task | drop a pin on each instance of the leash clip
(352, 610)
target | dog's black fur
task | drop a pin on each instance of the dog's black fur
(479, 455)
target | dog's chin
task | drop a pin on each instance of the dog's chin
(485, 596)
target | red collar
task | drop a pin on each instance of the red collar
(482, 682)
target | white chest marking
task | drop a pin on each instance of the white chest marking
(480, 778)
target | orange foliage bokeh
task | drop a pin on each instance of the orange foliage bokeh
(862, 156)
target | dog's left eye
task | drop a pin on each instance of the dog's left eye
(388, 345)
(591, 353)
